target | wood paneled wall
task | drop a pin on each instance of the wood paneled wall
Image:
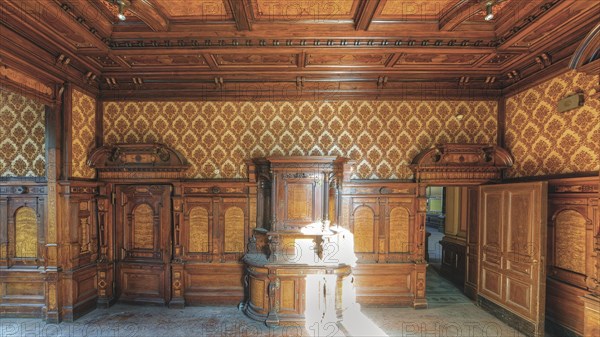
(78, 248)
(573, 221)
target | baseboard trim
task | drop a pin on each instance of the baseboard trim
(513, 320)
(556, 329)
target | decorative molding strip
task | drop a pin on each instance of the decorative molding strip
(236, 43)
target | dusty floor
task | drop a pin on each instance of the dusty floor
(450, 313)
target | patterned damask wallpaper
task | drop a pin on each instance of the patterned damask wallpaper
(544, 141)
(83, 130)
(383, 137)
(22, 136)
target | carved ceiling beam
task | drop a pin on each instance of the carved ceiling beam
(240, 10)
(58, 25)
(459, 13)
(365, 14)
(528, 21)
(151, 16)
(41, 62)
(92, 14)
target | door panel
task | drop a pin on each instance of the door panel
(513, 250)
(143, 241)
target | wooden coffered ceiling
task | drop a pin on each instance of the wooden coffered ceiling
(279, 49)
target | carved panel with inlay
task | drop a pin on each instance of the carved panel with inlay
(26, 232)
(164, 60)
(413, 9)
(299, 201)
(399, 230)
(213, 10)
(440, 59)
(143, 227)
(234, 230)
(256, 59)
(198, 228)
(364, 221)
(570, 241)
(361, 60)
(316, 11)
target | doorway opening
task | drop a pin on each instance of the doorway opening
(451, 225)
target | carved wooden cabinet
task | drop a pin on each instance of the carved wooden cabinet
(22, 249)
(214, 225)
(164, 240)
(383, 218)
(298, 262)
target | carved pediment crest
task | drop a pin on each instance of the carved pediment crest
(153, 160)
(461, 164)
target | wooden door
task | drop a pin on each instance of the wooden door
(143, 230)
(512, 245)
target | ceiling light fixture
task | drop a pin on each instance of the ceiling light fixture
(489, 14)
(123, 4)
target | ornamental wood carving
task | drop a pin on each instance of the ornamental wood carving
(461, 164)
(26, 233)
(137, 161)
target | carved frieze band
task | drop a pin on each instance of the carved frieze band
(22, 79)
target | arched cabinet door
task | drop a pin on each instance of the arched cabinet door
(143, 231)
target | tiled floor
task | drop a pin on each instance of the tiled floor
(449, 314)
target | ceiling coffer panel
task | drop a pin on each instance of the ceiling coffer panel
(258, 60)
(348, 60)
(201, 10)
(304, 10)
(413, 9)
(164, 60)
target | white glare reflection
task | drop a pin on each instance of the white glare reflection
(331, 308)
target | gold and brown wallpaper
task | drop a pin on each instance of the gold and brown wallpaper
(382, 136)
(546, 142)
(22, 136)
(83, 130)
